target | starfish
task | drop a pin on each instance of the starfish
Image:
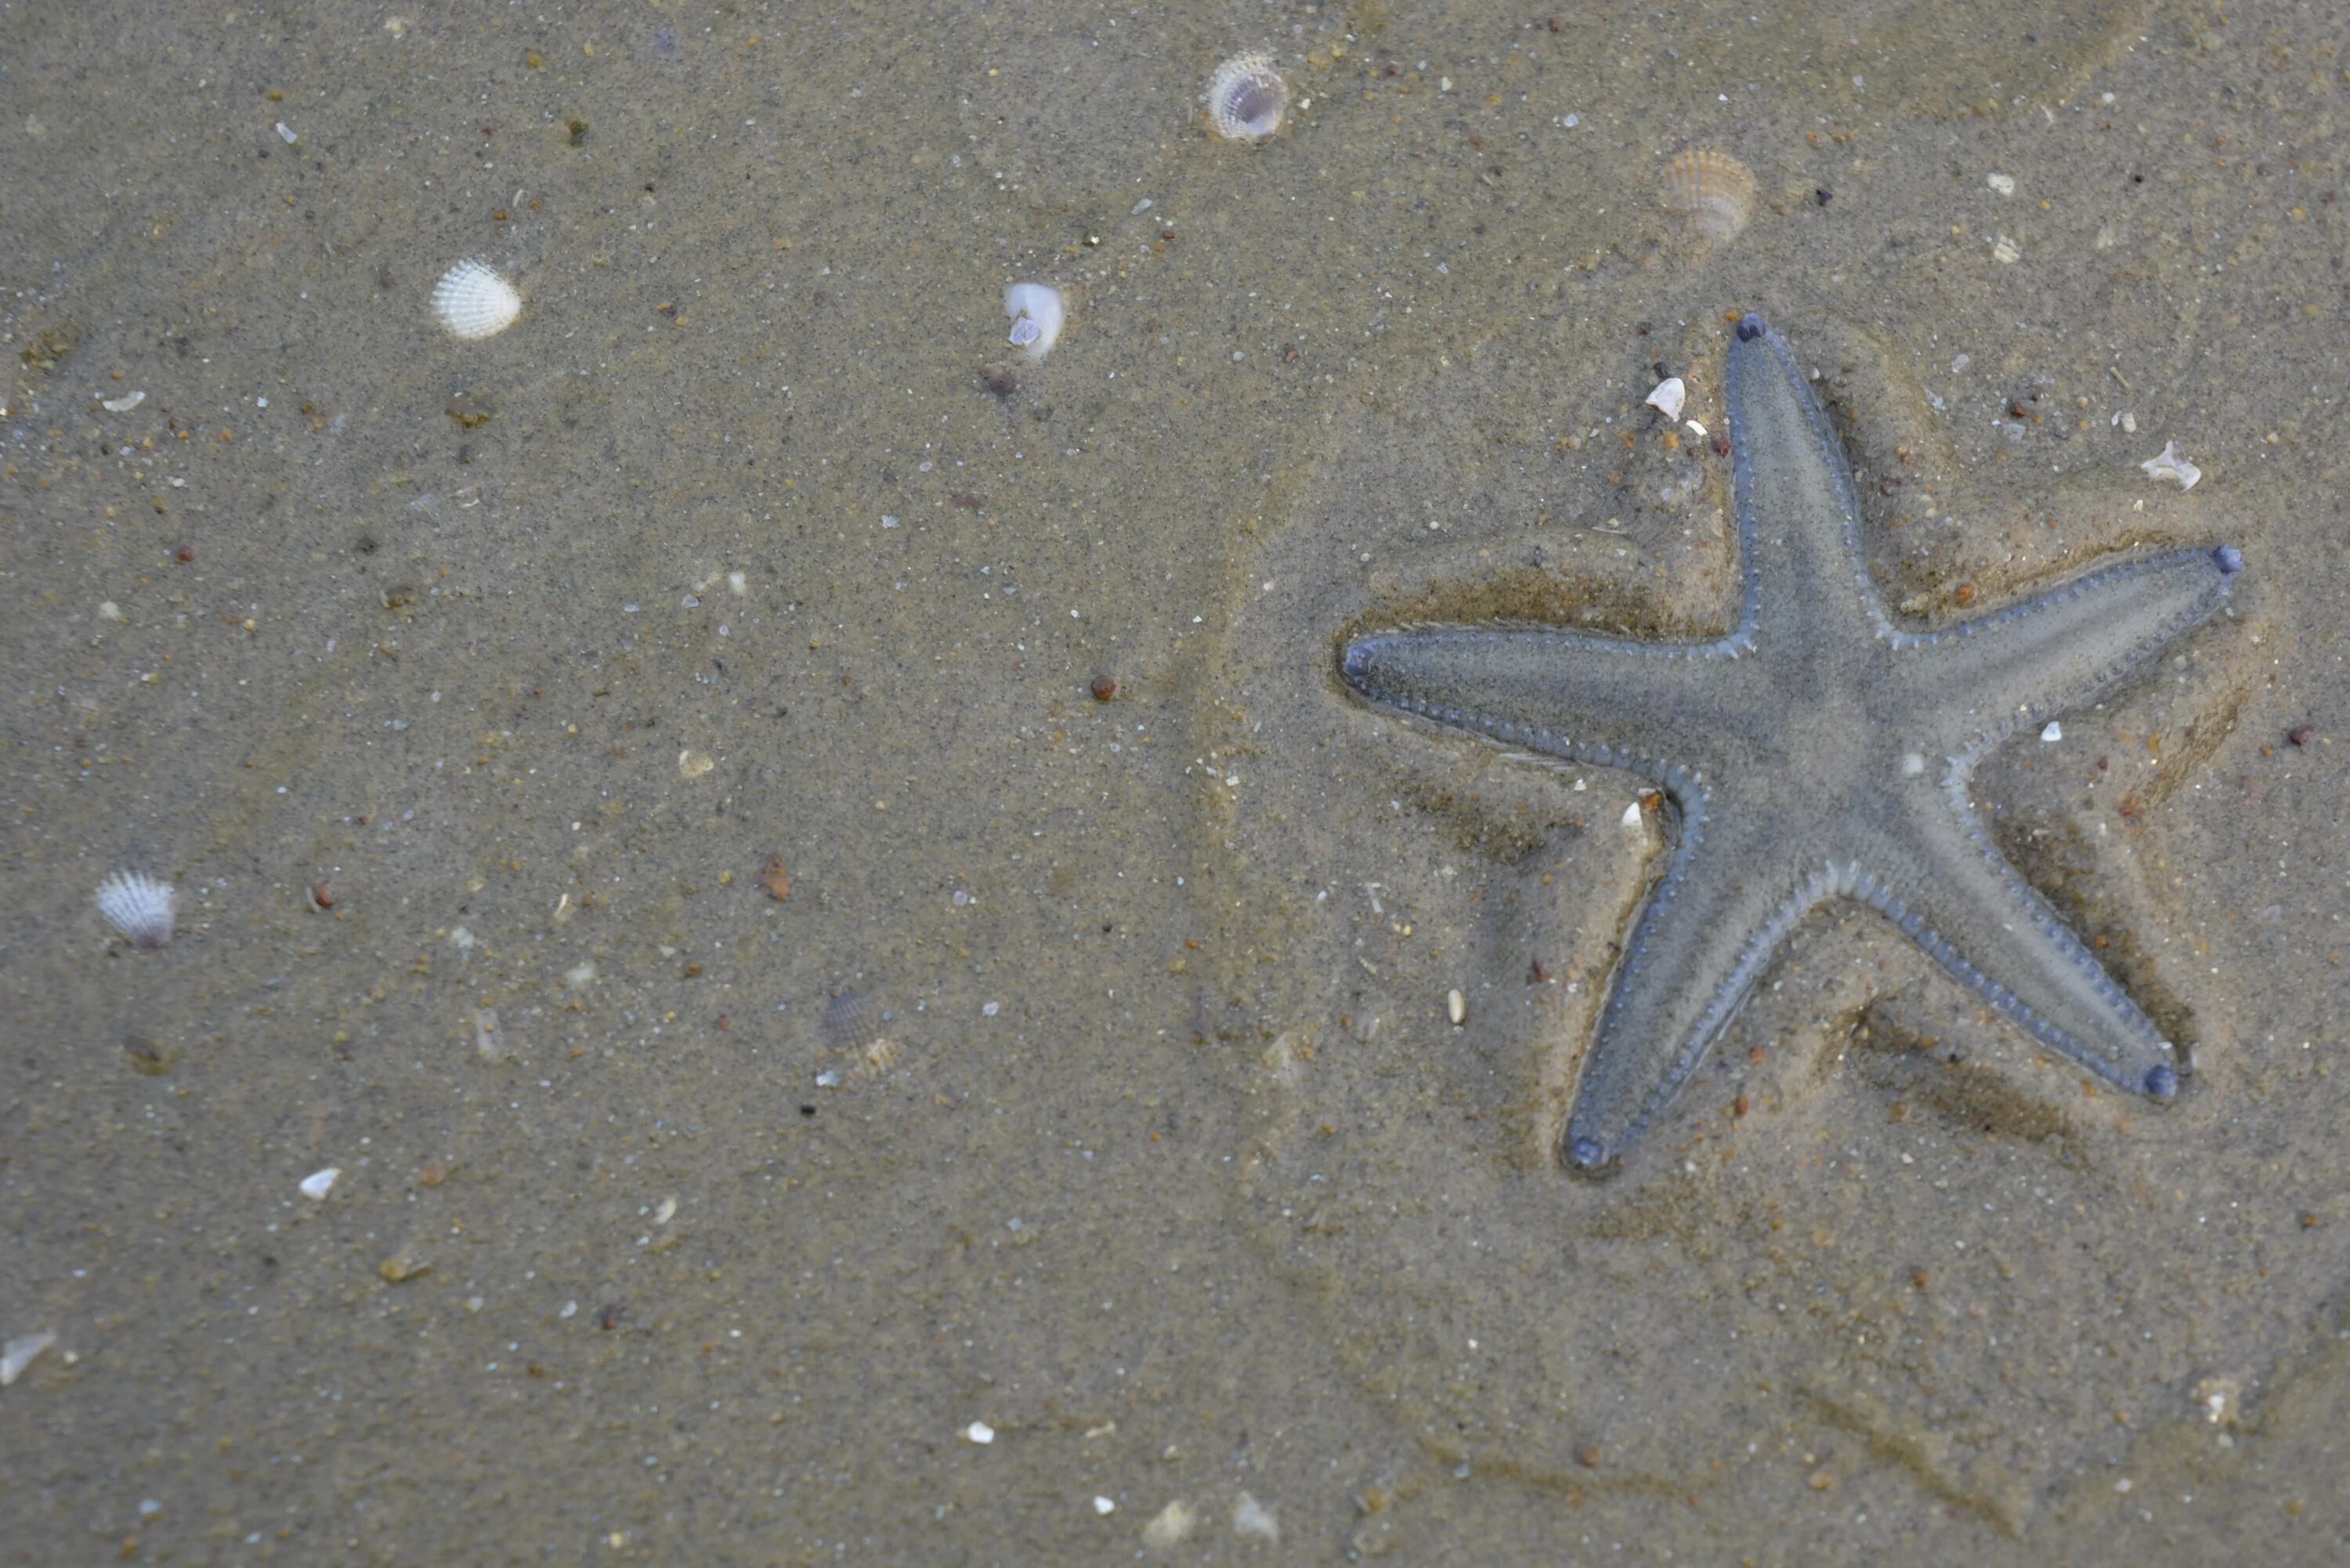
(1817, 752)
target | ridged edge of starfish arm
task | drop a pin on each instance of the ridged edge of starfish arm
(1520, 686)
(1649, 1047)
(2058, 650)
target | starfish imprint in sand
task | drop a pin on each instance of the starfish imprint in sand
(1816, 752)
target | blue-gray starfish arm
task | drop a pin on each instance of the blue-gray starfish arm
(1702, 939)
(1572, 695)
(1948, 889)
(1798, 521)
(2059, 650)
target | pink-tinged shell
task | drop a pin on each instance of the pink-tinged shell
(1713, 189)
(1247, 98)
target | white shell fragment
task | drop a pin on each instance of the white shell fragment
(318, 1183)
(2052, 732)
(1035, 312)
(1456, 1008)
(2168, 464)
(1246, 98)
(2003, 183)
(123, 404)
(1252, 1520)
(980, 1432)
(473, 301)
(1669, 397)
(19, 1353)
(138, 905)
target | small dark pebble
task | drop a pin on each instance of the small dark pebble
(1001, 383)
(187, 553)
(608, 1316)
(807, 1110)
(1823, 195)
(1104, 689)
(967, 500)
(146, 1056)
(1589, 1456)
(2300, 735)
(1167, 234)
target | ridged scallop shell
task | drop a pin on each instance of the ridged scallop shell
(853, 1022)
(138, 905)
(473, 301)
(1246, 98)
(1713, 189)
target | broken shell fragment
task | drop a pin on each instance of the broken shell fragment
(1667, 398)
(2168, 464)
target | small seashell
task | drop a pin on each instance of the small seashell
(138, 905)
(473, 301)
(1035, 312)
(1713, 189)
(1456, 1008)
(1246, 98)
(2003, 183)
(125, 404)
(19, 1351)
(318, 1183)
(1667, 398)
(2168, 464)
(2052, 732)
(852, 1023)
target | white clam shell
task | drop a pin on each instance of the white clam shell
(1246, 98)
(471, 300)
(1036, 310)
(1669, 397)
(138, 905)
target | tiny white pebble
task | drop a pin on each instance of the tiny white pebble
(318, 1183)
(2054, 733)
(989, 1009)
(1456, 1007)
(2003, 183)
(286, 133)
(980, 1432)
(1104, 1505)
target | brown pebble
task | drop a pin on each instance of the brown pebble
(1917, 1279)
(1588, 1456)
(2300, 735)
(1104, 688)
(2309, 1220)
(322, 895)
(1738, 1106)
(187, 552)
(1821, 1480)
(1965, 593)
(774, 879)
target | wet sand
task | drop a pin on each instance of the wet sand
(466, 690)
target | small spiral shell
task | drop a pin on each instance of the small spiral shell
(473, 301)
(1713, 189)
(1246, 98)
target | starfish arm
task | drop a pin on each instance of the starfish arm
(1598, 700)
(1966, 907)
(1798, 521)
(1723, 909)
(2061, 648)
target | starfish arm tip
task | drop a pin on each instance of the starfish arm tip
(2229, 559)
(2161, 1083)
(1751, 326)
(1587, 1154)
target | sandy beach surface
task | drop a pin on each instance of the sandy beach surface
(868, 994)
